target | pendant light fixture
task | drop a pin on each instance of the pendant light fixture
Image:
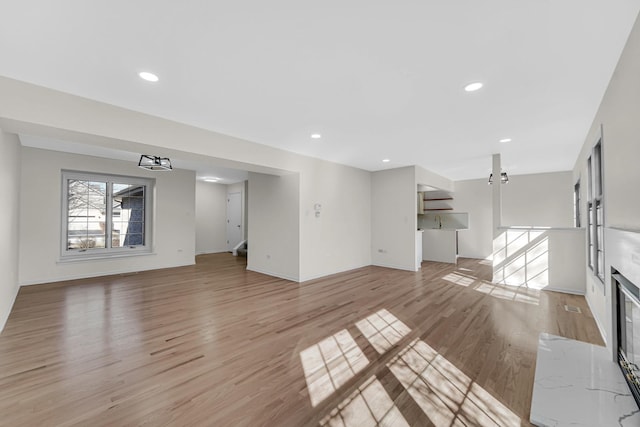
(504, 179)
(154, 163)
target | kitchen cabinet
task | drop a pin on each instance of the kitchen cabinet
(440, 245)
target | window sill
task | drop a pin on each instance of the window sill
(99, 257)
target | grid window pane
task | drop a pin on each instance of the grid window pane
(599, 228)
(86, 208)
(591, 233)
(590, 180)
(599, 239)
(104, 214)
(597, 156)
(576, 204)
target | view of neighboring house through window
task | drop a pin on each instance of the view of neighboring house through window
(104, 214)
(595, 212)
(127, 215)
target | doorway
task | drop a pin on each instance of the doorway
(234, 220)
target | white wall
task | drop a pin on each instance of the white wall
(339, 239)
(274, 244)
(474, 197)
(394, 218)
(543, 200)
(10, 153)
(431, 179)
(211, 217)
(618, 115)
(40, 209)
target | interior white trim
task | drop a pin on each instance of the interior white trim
(278, 275)
(396, 266)
(97, 274)
(597, 320)
(4, 319)
(318, 276)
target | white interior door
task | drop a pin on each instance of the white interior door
(234, 219)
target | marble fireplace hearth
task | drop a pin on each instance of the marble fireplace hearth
(577, 383)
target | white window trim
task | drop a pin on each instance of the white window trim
(100, 253)
(596, 198)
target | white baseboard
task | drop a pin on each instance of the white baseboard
(395, 266)
(318, 276)
(94, 274)
(598, 324)
(214, 252)
(5, 316)
(564, 291)
(271, 273)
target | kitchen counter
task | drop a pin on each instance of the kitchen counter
(440, 244)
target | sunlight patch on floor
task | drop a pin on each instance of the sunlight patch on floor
(458, 279)
(522, 293)
(510, 293)
(330, 363)
(444, 393)
(369, 405)
(382, 329)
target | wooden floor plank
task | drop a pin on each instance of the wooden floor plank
(214, 344)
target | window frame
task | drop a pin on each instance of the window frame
(577, 218)
(108, 251)
(596, 212)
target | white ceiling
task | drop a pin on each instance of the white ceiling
(377, 79)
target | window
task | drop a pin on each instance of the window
(595, 212)
(105, 215)
(576, 204)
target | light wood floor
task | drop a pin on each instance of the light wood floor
(215, 345)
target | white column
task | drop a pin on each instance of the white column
(496, 194)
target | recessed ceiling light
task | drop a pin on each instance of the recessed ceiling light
(212, 179)
(472, 87)
(150, 77)
(385, 160)
(316, 136)
(505, 140)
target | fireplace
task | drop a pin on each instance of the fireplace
(628, 330)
